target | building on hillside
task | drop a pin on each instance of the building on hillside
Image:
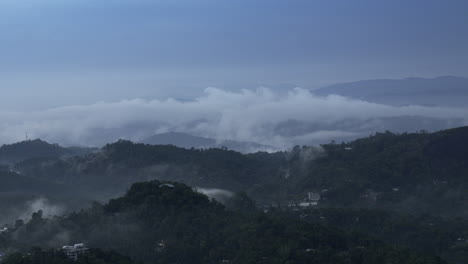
(307, 204)
(312, 200)
(74, 251)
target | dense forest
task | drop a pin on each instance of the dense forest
(52, 256)
(37, 148)
(408, 190)
(444, 237)
(418, 172)
(161, 222)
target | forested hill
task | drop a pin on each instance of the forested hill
(166, 222)
(188, 141)
(37, 148)
(410, 172)
(125, 162)
(411, 181)
(419, 172)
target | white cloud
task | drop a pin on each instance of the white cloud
(48, 209)
(219, 194)
(248, 115)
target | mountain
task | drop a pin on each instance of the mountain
(125, 162)
(411, 188)
(168, 222)
(21, 194)
(406, 172)
(188, 141)
(446, 91)
(409, 172)
(37, 148)
(18, 191)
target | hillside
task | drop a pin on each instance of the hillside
(54, 256)
(37, 148)
(125, 162)
(412, 173)
(161, 222)
(188, 141)
(20, 195)
(416, 172)
(423, 233)
(409, 188)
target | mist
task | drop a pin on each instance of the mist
(41, 204)
(262, 115)
(219, 195)
(24, 210)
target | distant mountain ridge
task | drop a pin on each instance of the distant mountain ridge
(417, 164)
(448, 91)
(37, 148)
(184, 140)
(375, 164)
(417, 174)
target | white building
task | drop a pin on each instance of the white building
(307, 204)
(74, 251)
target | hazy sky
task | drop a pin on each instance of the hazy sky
(88, 72)
(55, 52)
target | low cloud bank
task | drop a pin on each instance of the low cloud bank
(48, 209)
(261, 116)
(23, 209)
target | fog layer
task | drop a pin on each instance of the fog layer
(262, 116)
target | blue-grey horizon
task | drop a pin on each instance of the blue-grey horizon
(54, 53)
(88, 72)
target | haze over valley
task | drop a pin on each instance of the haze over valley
(267, 119)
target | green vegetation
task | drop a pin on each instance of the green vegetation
(447, 238)
(159, 222)
(407, 190)
(408, 173)
(37, 148)
(39, 256)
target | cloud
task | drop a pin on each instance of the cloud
(263, 116)
(218, 194)
(48, 209)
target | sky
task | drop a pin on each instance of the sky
(57, 54)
